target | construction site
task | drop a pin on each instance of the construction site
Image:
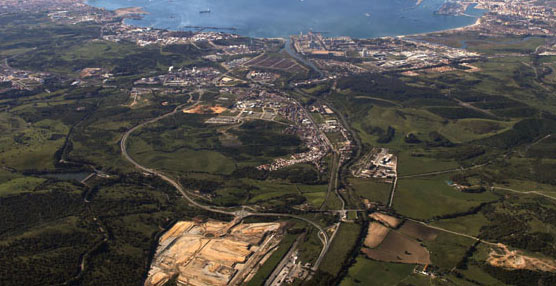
(212, 253)
(502, 256)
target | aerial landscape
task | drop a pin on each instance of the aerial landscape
(294, 142)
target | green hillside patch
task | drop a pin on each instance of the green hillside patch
(185, 160)
(448, 249)
(341, 248)
(468, 129)
(19, 185)
(458, 112)
(371, 190)
(420, 122)
(426, 198)
(29, 146)
(369, 272)
(469, 224)
(315, 199)
(411, 162)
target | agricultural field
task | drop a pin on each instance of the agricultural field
(371, 190)
(370, 272)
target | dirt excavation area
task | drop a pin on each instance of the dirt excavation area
(205, 109)
(390, 239)
(501, 256)
(212, 252)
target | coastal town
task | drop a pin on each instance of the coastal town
(334, 56)
(202, 198)
(516, 17)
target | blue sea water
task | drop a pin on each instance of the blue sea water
(280, 18)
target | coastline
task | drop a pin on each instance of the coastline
(452, 30)
(140, 11)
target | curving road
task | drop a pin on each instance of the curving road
(240, 214)
(123, 148)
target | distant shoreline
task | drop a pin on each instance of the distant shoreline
(452, 30)
(126, 11)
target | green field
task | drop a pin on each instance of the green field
(29, 146)
(315, 199)
(371, 190)
(425, 198)
(448, 249)
(19, 185)
(470, 224)
(411, 165)
(369, 272)
(342, 245)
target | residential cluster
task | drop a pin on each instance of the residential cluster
(303, 126)
(17, 6)
(517, 17)
(258, 103)
(84, 14)
(336, 134)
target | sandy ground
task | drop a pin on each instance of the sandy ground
(410, 73)
(177, 230)
(472, 68)
(129, 11)
(211, 253)
(375, 235)
(503, 257)
(204, 109)
(386, 219)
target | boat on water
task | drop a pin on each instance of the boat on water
(204, 11)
